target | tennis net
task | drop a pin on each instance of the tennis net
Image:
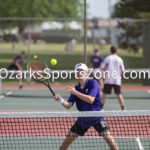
(47, 130)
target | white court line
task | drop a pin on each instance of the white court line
(139, 144)
(148, 91)
(2, 96)
(7, 93)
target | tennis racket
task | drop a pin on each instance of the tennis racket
(38, 64)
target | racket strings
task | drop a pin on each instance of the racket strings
(39, 67)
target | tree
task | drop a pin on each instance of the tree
(38, 8)
(132, 9)
(131, 37)
(136, 9)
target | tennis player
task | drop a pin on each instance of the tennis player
(16, 65)
(113, 65)
(86, 95)
(97, 62)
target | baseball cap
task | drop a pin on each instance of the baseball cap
(81, 66)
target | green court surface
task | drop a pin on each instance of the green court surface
(84, 143)
(29, 99)
(41, 100)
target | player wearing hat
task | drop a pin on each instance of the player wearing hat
(86, 95)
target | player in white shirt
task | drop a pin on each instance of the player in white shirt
(113, 69)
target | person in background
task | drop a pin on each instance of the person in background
(102, 44)
(113, 64)
(97, 65)
(17, 65)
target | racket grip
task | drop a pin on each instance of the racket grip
(61, 100)
(53, 93)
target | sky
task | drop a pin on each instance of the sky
(99, 8)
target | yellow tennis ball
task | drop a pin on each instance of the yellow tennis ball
(53, 61)
(35, 56)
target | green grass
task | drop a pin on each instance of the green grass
(53, 48)
(66, 60)
(43, 47)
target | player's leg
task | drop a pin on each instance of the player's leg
(107, 90)
(102, 128)
(20, 83)
(121, 100)
(101, 83)
(14, 67)
(97, 75)
(103, 100)
(75, 131)
(117, 89)
(68, 140)
(109, 139)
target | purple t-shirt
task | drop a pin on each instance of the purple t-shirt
(19, 58)
(91, 88)
(96, 61)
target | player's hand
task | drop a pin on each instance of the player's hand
(56, 97)
(71, 89)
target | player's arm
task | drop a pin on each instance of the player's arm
(122, 68)
(101, 84)
(102, 65)
(66, 104)
(87, 98)
(105, 64)
(91, 63)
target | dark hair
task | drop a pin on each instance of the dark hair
(96, 50)
(113, 49)
(23, 52)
